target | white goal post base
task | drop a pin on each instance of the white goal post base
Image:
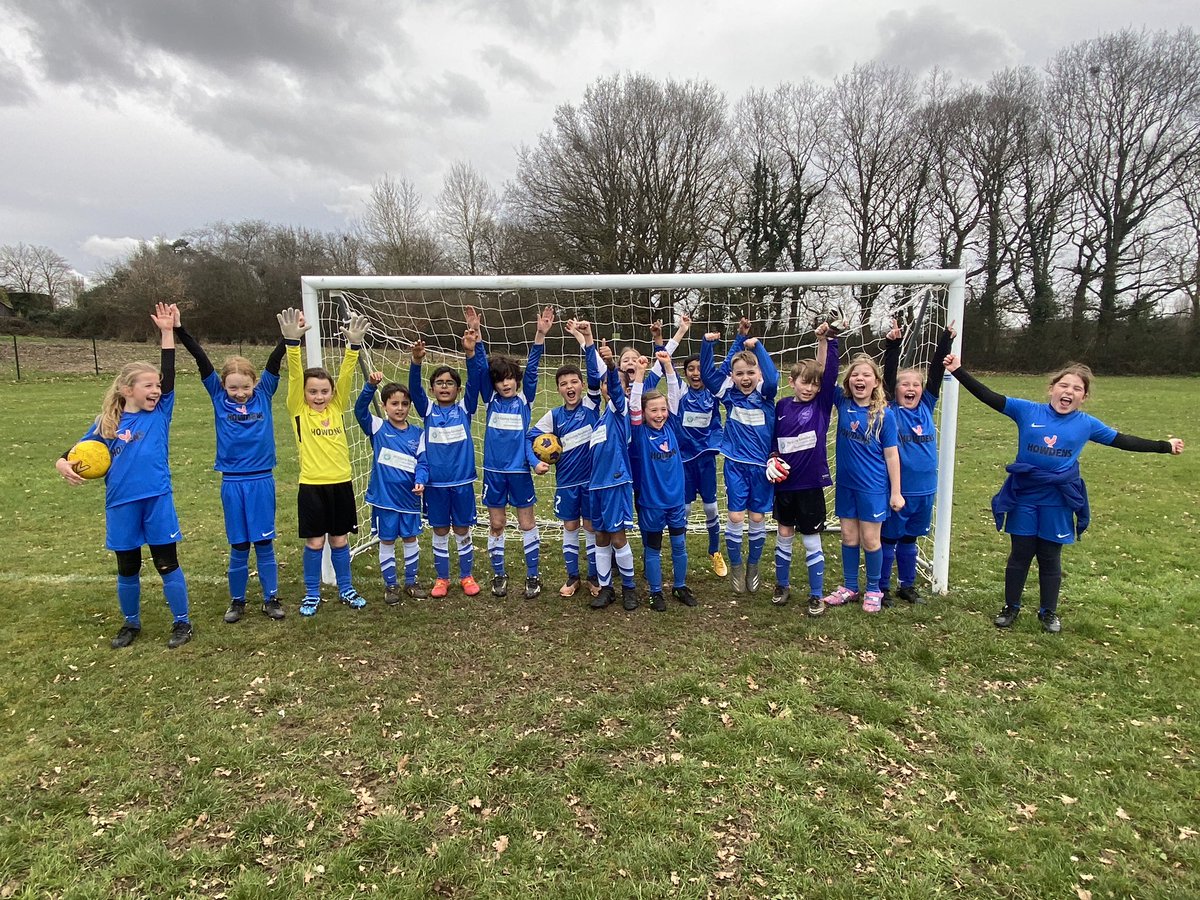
(782, 306)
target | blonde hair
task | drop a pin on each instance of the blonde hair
(114, 398)
(1080, 371)
(877, 402)
(746, 356)
(238, 365)
(807, 371)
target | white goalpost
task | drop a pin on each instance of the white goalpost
(783, 307)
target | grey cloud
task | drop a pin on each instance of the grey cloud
(146, 43)
(456, 95)
(515, 71)
(15, 89)
(554, 22)
(928, 37)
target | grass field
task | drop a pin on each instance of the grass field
(485, 749)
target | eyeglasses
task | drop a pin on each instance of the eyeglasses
(445, 383)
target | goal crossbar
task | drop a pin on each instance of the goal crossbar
(953, 280)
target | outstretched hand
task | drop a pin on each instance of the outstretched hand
(418, 352)
(545, 320)
(895, 332)
(356, 329)
(1176, 446)
(606, 354)
(951, 363)
(163, 317)
(375, 378)
(744, 326)
(291, 324)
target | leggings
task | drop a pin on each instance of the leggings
(1049, 556)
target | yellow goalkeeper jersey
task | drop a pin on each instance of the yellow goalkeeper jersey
(320, 436)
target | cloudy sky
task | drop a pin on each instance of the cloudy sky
(125, 120)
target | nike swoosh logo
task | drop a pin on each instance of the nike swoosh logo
(1035, 425)
(174, 534)
(879, 515)
(1068, 534)
(268, 534)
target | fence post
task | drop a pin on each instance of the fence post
(17, 357)
(95, 356)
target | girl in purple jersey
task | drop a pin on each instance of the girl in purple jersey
(139, 504)
(799, 468)
(868, 478)
(1043, 503)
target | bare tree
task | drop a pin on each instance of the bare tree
(36, 269)
(395, 230)
(874, 123)
(1127, 106)
(628, 181)
(777, 210)
(467, 208)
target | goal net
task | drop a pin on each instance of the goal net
(783, 308)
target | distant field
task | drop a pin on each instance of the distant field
(509, 749)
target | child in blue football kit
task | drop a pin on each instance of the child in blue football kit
(572, 424)
(139, 508)
(799, 468)
(508, 457)
(1043, 503)
(654, 427)
(748, 394)
(449, 448)
(868, 478)
(700, 435)
(399, 473)
(611, 494)
(325, 502)
(245, 428)
(916, 432)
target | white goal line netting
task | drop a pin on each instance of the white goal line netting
(783, 308)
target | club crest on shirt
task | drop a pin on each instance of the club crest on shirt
(125, 436)
(1051, 440)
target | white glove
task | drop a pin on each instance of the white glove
(356, 329)
(292, 324)
(777, 470)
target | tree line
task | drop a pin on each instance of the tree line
(1070, 194)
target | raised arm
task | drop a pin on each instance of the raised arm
(477, 379)
(674, 384)
(362, 406)
(829, 374)
(192, 346)
(637, 386)
(937, 367)
(416, 389)
(164, 318)
(713, 380)
(766, 365)
(275, 360)
(979, 391)
(891, 359)
(292, 326)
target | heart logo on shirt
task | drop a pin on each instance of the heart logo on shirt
(324, 423)
(665, 447)
(917, 429)
(1051, 441)
(854, 425)
(242, 409)
(125, 436)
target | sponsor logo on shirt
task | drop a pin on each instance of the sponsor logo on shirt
(576, 438)
(450, 434)
(696, 419)
(506, 421)
(405, 462)
(755, 418)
